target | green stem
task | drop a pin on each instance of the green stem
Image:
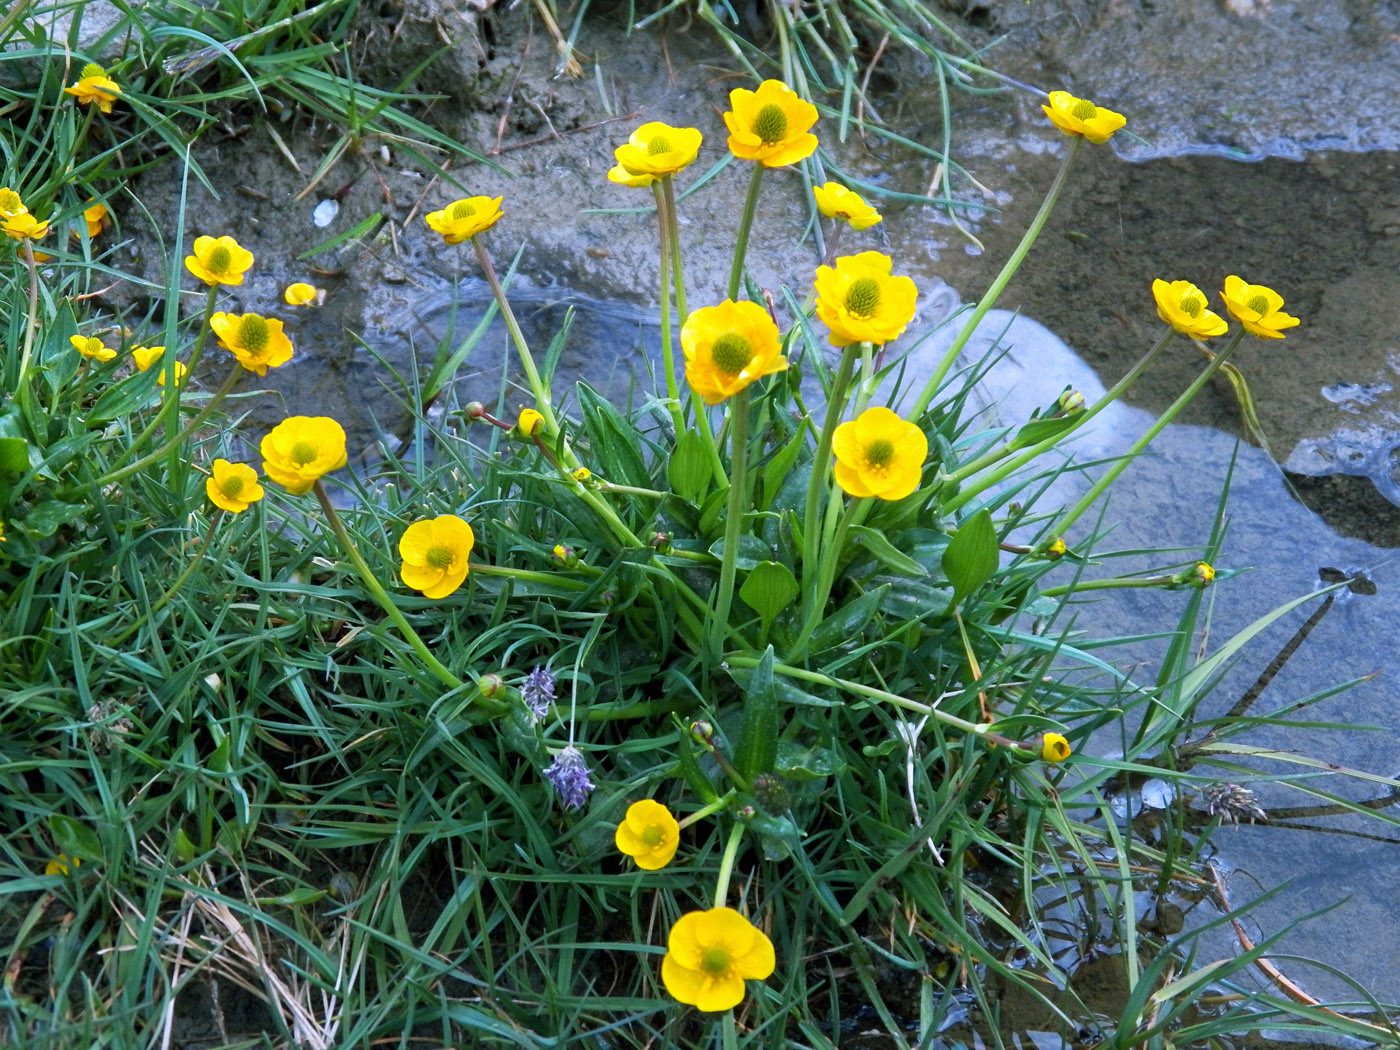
(831, 556)
(714, 807)
(554, 579)
(741, 242)
(668, 357)
(726, 863)
(31, 325)
(733, 525)
(998, 286)
(1115, 584)
(818, 482)
(527, 360)
(1141, 443)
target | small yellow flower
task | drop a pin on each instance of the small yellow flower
(23, 226)
(233, 486)
(1054, 747)
(653, 150)
(180, 371)
(728, 346)
(1079, 116)
(91, 347)
(879, 454)
(10, 203)
(836, 202)
(257, 342)
(145, 356)
(218, 260)
(1201, 576)
(95, 215)
(770, 125)
(582, 474)
(95, 86)
(61, 864)
(1258, 308)
(300, 449)
(709, 956)
(1183, 306)
(435, 553)
(648, 834)
(861, 302)
(529, 422)
(1056, 548)
(465, 218)
(303, 294)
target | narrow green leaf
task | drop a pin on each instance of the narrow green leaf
(756, 748)
(971, 557)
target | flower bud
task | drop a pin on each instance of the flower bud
(1198, 576)
(703, 733)
(582, 475)
(566, 556)
(491, 685)
(660, 542)
(1054, 747)
(1071, 401)
(530, 422)
(474, 410)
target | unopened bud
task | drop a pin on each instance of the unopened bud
(491, 685)
(703, 733)
(660, 542)
(474, 410)
(1071, 401)
(1054, 747)
(566, 556)
(1198, 576)
(530, 422)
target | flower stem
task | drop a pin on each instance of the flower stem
(668, 190)
(818, 482)
(1115, 584)
(668, 357)
(713, 808)
(733, 524)
(741, 241)
(1173, 410)
(831, 551)
(1008, 271)
(527, 360)
(31, 325)
(726, 863)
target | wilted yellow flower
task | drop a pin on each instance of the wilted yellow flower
(648, 834)
(709, 956)
(1258, 308)
(61, 864)
(529, 422)
(21, 226)
(145, 356)
(770, 125)
(1183, 306)
(836, 202)
(465, 218)
(861, 302)
(879, 454)
(91, 347)
(300, 449)
(1054, 747)
(95, 86)
(653, 150)
(303, 294)
(1079, 116)
(728, 346)
(10, 203)
(233, 486)
(435, 553)
(218, 260)
(257, 342)
(94, 215)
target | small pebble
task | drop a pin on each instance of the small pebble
(325, 212)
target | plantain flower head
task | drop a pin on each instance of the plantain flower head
(836, 202)
(435, 553)
(1183, 306)
(233, 486)
(465, 218)
(709, 956)
(654, 150)
(1079, 116)
(257, 342)
(861, 302)
(879, 454)
(728, 346)
(771, 125)
(1258, 308)
(94, 85)
(300, 449)
(219, 260)
(649, 834)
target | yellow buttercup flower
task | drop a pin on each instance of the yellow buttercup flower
(529, 422)
(61, 864)
(648, 834)
(709, 956)
(180, 371)
(582, 474)
(620, 175)
(302, 294)
(728, 346)
(91, 347)
(95, 85)
(465, 218)
(1183, 306)
(257, 342)
(1258, 308)
(23, 226)
(95, 215)
(435, 553)
(145, 356)
(653, 150)
(300, 449)
(836, 202)
(1054, 747)
(1079, 116)
(233, 486)
(770, 125)
(10, 203)
(879, 454)
(218, 260)
(861, 302)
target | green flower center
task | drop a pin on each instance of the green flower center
(731, 353)
(303, 452)
(463, 210)
(253, 333)
(92, 69)
(220, 259)
(715, 962)
(1259, 304)
(658, 145)
(771, 124)
(439, 557)
(653, 836)
(879, 453)
(231, 486)
(1084, 110)
(1191, 306)
(863, 297)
